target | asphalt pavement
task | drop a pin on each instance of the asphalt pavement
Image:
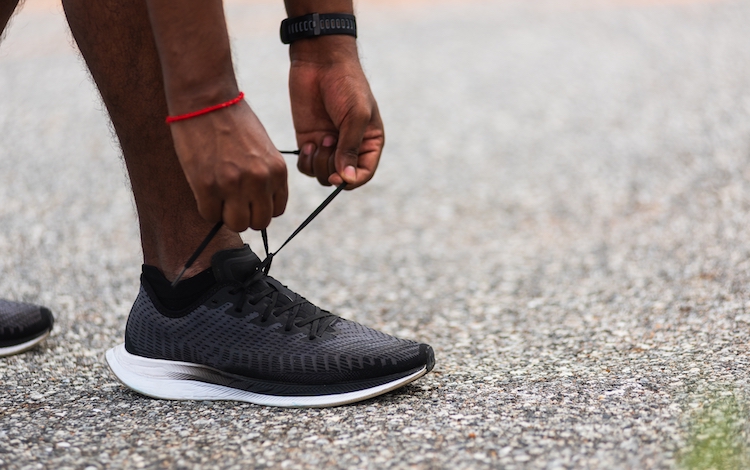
(562, 212)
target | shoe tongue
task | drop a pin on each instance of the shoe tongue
(240, 263)
(234, 265)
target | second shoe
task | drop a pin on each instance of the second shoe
(22, 326)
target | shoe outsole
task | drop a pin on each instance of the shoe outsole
(167, 380)
(25, 346)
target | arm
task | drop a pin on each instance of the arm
(233, 168)
(339, 130)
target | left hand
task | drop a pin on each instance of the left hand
(339, 131)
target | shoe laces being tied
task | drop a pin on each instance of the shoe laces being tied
(299, 311)
(286, 301)
(309, 314)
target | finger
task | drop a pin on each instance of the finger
(364, 174)
(280, 198)
(368, 160)
(351, 133)
(209, 206)
(305, 159)
(322, 159)
(236, 215)
(369, 157)
(261, 213)
(331, 165)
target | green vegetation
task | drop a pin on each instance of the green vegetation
(718, 437)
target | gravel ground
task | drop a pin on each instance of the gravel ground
(562, 212)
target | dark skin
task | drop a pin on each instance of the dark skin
(7, 7)
(339, 130)
(150, 59)
(340, 139)
(118, 46)
(233, 168)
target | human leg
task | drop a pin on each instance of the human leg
(245, 336)
(7, 8)
(116, 42)
(22, 326)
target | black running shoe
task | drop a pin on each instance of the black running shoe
(252, 339)
(22, 326)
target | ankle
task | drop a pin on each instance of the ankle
(182, 295)
(169, 255)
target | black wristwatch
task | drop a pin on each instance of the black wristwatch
(317, 24)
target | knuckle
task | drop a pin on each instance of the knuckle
(229, 175)
(261, 174)
(360, 115)
(280, 169)
(203, 183)
(350, 153)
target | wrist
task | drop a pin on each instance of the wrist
(185, 98)
(305, 7)
(324, 50)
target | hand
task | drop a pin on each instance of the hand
(339, 131)
(233, 168)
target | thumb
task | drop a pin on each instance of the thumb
(351, 133)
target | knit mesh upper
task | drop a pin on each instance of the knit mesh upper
(19, 321)
(16, 315)
(213, 333)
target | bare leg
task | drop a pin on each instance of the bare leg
(116, 41)
(22, 326)
(7, 7)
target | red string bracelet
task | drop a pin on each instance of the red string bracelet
(200, 112)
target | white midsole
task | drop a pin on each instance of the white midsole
(18, 348)
(158, 378)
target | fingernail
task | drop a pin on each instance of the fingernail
(329, 141)
(350, 174)
(308, 149)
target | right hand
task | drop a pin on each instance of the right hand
(233, 168)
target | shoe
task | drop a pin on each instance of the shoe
(251, 339)
(22, 326)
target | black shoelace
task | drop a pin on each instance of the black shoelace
(318, 319)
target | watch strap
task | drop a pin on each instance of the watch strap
(317, 24)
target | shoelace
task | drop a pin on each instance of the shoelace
(317, 320)
(269, 256)
(266, 263)
(320, 320)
